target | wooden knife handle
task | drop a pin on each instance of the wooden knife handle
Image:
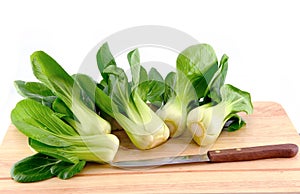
(253, 153)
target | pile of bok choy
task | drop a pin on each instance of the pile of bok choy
(69, 119)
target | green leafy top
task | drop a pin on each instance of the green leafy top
(104, 59)
(48, 71)
(198, 63)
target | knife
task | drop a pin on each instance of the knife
(222, 155)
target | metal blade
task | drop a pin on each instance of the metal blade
(161, 161)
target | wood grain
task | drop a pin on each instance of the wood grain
(269, 124)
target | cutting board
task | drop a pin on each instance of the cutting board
(269, 124)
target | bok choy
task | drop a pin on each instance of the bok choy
(65, 131)
(51, 136)
(195, 68)
(144, 128)
(49, 72)
(207, 121)
(68, 119)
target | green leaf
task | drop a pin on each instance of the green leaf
(95, 148)
(155, 75)
(46, 69)
(198, 63)
(218, 80)
(238, 100)
(40, 167)
(35, 90)
(61, 153)
(104, 59)
(149, 87)
(60, 107)
(170, 83)
(234, 123)
(142, 87)
(48, 100)
(133, 57)
(118, 87)
(42, 120)
(102, 100)
(134, 62)
(32, 129)
(65, 170)
(33, 168)
(139, 82)
(156, 87)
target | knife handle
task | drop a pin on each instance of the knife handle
(253, 153)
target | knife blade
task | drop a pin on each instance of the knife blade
(213, 156)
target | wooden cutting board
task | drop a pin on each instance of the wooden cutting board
(269, 124)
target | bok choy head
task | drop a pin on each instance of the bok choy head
(85, 121)
(195, 67)
(50, 135)
(207, 121)
(144, 128)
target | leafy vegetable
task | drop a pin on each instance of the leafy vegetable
(40, 167)
(195, 67)
(206, 122)
(145, 129)
(213, 94)
(68, 119)
(68, 129)
(51, 136)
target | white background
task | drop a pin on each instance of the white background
(261, 38)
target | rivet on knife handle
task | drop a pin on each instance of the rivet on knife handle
(253, 153)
